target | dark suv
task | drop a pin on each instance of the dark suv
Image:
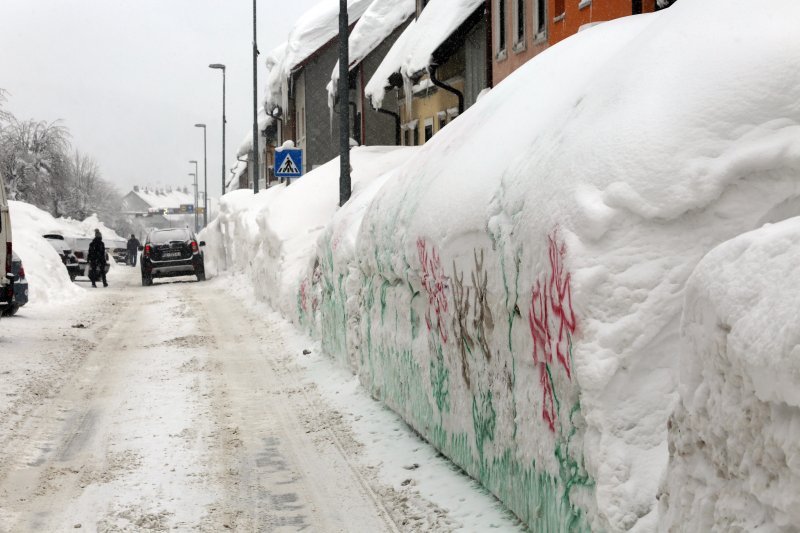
(171, 252)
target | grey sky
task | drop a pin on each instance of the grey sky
(130, 78)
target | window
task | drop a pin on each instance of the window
(442, 119)
(636, 7)
(415, 132)
(540, 20)
(519, 21)
(559, 8)
(428, 129)
(501, 26)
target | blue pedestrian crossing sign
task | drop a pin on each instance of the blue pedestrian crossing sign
(288, 163)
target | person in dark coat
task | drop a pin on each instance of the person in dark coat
(97, 259)
(133, 250)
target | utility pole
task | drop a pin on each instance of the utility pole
(344, 105)
(255, 105)
(194, 208)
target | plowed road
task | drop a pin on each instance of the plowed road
(178, 407)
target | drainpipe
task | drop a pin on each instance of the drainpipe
(396, 123)
(447, 88)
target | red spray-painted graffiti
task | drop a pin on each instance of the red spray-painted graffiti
(435, 284)
(304, 295)
(552, 322)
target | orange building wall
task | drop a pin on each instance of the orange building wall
(596, 11)
(574, 17)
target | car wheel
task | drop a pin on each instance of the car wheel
(12, 310)
(147, 281)
(201, 275)
(72, 276)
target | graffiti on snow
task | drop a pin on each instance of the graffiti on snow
(435, 284)
(552, 324)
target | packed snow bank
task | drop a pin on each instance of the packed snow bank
(518, 302)
(735, 436)
(271, 237)
(48, 280)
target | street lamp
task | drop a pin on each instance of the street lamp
(205, 175)
(194, 174)
(344, 105)
(221, 67)
(255, 104)
(195, 193)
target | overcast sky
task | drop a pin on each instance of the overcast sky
(130, 78)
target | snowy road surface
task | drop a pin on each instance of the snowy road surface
(183, 407)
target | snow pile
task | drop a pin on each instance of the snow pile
(48, 280)
(271, 237)
(413, 51)
(518, 303)
(735, 437)
(313, 30)
(375, 26)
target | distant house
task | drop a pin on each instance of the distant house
(160, 208)
(438, 65)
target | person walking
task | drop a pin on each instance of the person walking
(97, 259)
(133, 250)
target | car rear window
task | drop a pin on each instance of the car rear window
(160, 237)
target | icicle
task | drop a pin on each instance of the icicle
(408, 88)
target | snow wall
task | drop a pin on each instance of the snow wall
(514, 290)
(735, 439)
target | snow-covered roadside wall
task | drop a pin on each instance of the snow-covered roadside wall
(271, 237)
(735, 435)
(518, 302)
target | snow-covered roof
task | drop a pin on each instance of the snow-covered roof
(375, 26)
(312, 30)
(413, 50)
(164, 198)
(247, 142)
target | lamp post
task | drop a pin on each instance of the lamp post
(205, 175)
(195, 193)
(344, 105)
(194, 175)
(255, 105)
(221, 67)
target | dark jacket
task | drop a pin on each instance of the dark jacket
(133, 244)
(97, 252)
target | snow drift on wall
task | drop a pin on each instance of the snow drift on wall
(735, 436)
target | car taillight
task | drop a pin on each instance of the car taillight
(147, 250)
(8, 258)
(21, 272)
(194, 247)
(79, 255)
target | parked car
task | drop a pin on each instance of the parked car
(82, 253)
(20, 293)
(6, 277)
(118, 249)
(63, 247)
(172, 252)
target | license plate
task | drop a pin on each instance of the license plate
(171, 255)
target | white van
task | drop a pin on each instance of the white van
(5, 242)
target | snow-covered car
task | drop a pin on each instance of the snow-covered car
(81, 250)
(172, 252)
(63, 247)
(20, 293)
